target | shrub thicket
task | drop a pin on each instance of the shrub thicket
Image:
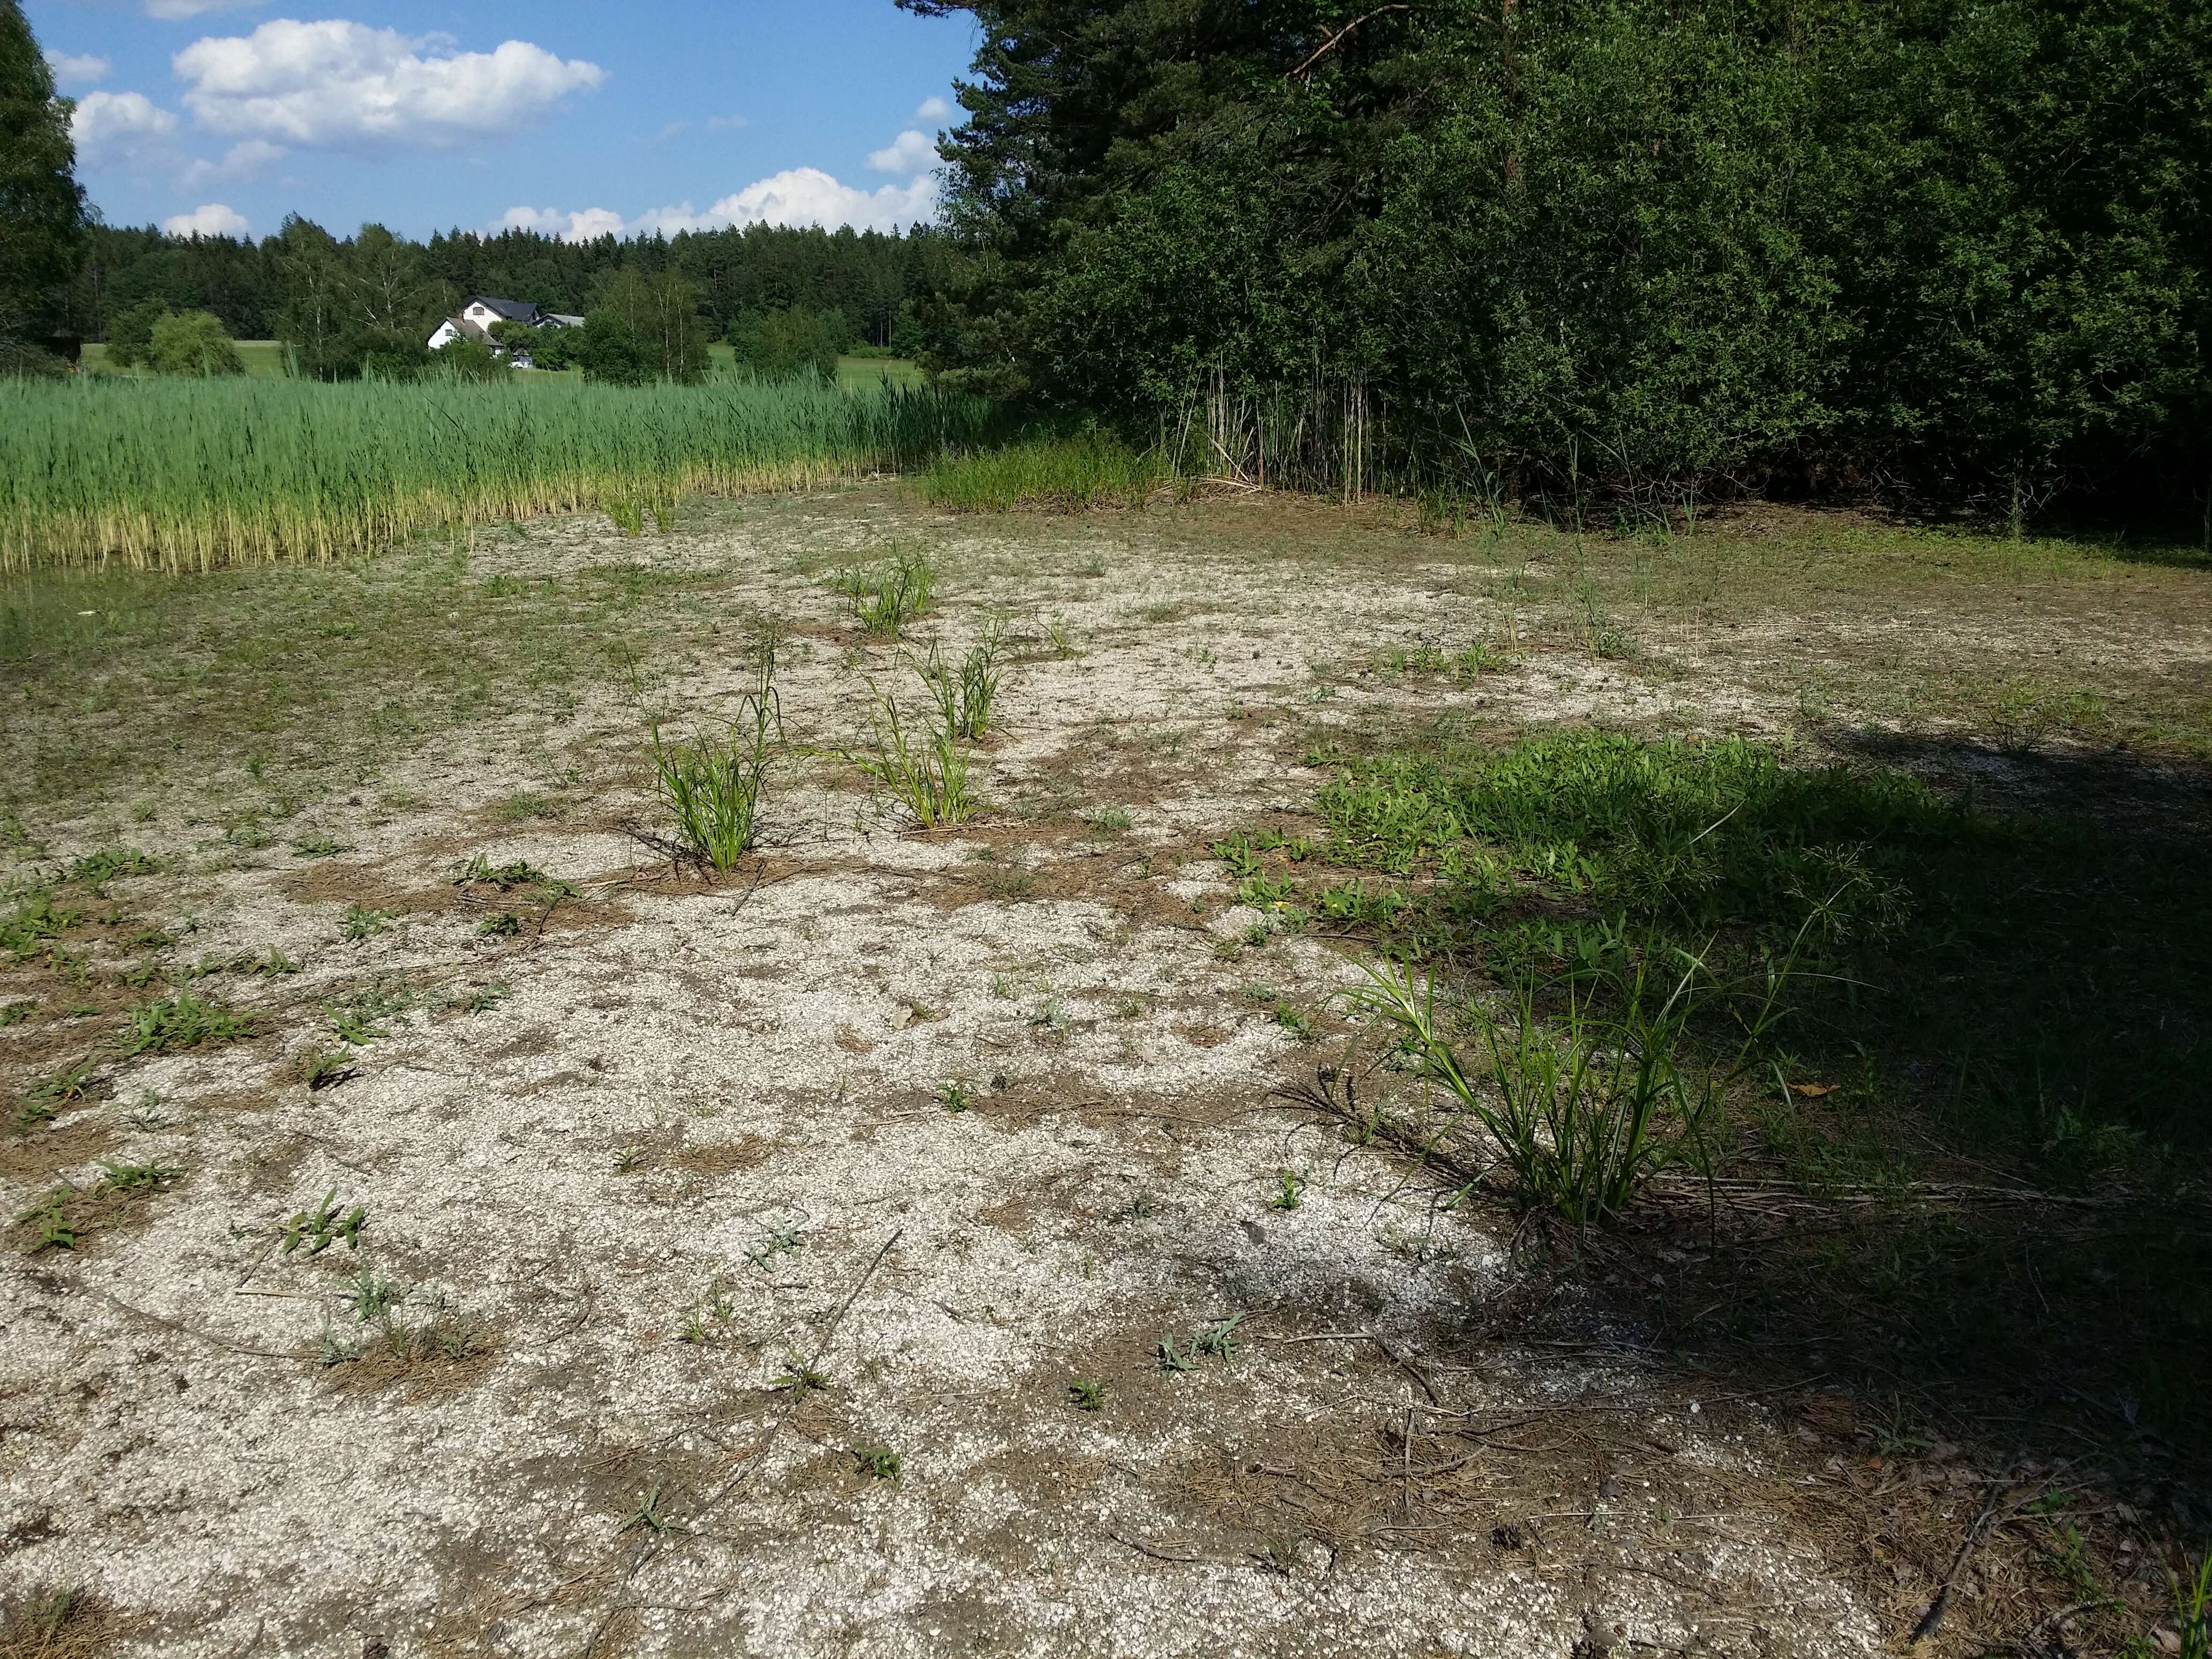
(1657, 246)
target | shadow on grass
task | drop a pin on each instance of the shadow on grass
(1969, 1177)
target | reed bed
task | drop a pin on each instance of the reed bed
(190, 475)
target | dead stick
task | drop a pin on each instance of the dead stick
(1967, 1545)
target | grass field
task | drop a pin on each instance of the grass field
(749, 1227)
(197, 474)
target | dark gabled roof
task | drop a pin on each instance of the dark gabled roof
(513, 310)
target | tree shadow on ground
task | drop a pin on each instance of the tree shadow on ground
(1974, 1184)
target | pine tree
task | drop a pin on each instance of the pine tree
(42, 212)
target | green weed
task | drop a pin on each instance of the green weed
(1086, 1394)
(318, 1229)
(183, 1021)
(885, 596)
(97, 869)
(138, 1177)
(879, 1464)
(715, 785)
(1290, 1193)
(1069, 474)
(965, 693)
(924, 768)
(316, 845)
(363, 923)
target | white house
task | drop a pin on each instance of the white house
(474, 322)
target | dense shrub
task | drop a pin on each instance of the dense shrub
(191, 343)
(1657, 245)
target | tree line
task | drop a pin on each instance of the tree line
(1948, 250)
(370, 300)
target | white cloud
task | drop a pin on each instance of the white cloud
(799, 196)
(70, 71)
(121, 128)
(587, 226)
(726, 123)
(338, 85)
(248, 159)
(911, 152)
(213, 219)
(933, 109)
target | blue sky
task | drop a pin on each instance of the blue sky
(570, 117)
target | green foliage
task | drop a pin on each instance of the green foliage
(1068, 475)
(713, 786)
(888, 594)
(965, 692)
(185, 473)
(1644, 248)
(192, 342)
(924, 766)
(788, 342)
(131, 336)
(1703, 834)
(183, 1021)
(42, 210)
(643, 327)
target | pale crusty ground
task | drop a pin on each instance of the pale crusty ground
(766, 1052)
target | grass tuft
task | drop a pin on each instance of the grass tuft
(1064, 474)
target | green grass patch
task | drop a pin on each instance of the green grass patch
(1066, 474)
(180, 474)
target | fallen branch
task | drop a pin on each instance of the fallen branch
(1338, 39)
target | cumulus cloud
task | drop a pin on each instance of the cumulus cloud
(212, 219)
(911, 152)
(70, 71)
(339, 85)
(933, 109)
(586, 226)
(248, 159)
(799, 196)
(113, 129)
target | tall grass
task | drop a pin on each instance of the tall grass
(1066, 473)
(194, 474)
(713, 786)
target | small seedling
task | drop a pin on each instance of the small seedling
(628, 1158)
(648, 1514)
(134, 1177)
(1291, 1194)
(878, 1462)
(316, 845)
(1086, 1394)
(484, 998)
(371, 1294)
(1219, 1337)
(320, 1228)
(351, 1025)
(275, 965)
(781, 1241)
(363, 923)
(1111, 820)
(799, 1378)
(327, 1070)
(183, 1021)
(333, 1348)
(148, 1115)
(955, 1097)
(54, 1231)
(1295, 1020)
(1172, 1358)
(505, 925)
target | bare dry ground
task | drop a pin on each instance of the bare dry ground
(913, 1243)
